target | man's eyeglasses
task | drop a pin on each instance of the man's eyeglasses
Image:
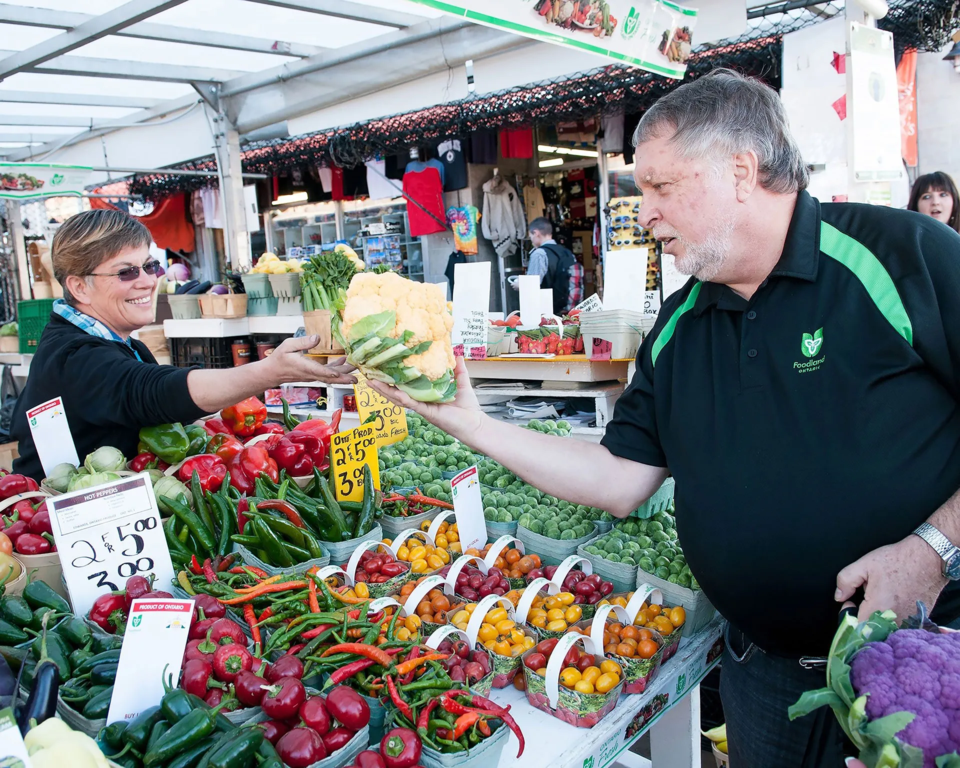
(129, 274)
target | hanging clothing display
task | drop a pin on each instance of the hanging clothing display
(613, 134)
(533, 202)
(423, 190)
(212, 210)
(517, 143)
(168, 223)
(379, 185)
(196, 208)
(450, 154)
(455, 258)
(502, 221)
(463, 222)
(482, 147)
(415, 166)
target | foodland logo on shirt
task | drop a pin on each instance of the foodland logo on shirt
(811, 345)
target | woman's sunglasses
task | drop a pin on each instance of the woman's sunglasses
(129, 274)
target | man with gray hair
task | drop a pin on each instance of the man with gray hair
(803, 388)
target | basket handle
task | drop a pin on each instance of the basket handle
(435, 525)
(443, 633)
(567, 565)
(480, 613)
(405, 534)
(499, 546)
(420, 591)
(459, 564)
(354, 562)
(530, 593)
(555, 662)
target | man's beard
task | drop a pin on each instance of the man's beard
(705, 259)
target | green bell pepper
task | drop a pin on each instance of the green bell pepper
(168, 442)
(198, 439)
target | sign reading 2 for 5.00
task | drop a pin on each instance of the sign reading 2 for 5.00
(389, 420)
(351, 450)
(107, 534)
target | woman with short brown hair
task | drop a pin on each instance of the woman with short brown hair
(110, 384)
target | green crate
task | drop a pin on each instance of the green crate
(32, 318)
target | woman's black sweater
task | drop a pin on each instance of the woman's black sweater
(107, 393)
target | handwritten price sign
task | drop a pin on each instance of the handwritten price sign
(389, 420)
(351, 450)
(107, 534)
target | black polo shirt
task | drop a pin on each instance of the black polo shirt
(811, 424)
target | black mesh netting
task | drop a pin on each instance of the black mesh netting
(922, 24)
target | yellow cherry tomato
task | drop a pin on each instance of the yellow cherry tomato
(487, 632)
(460, 617)
(403, 553)
(454, 546)
(516, 637)
(418, 566)
(496, 615)
(489, 645)
(504, 626)
(551, 603)
(573, 614)
(610, 668)
(565, 598)
(470, 607)
(555, 614)
(418, 553)
(362, 591)
(443, 555)
(403, 634)
(412, 623)
(528, 642)
(501, 646)
(425, 525)
(435, 561)
(452, 536)
(542, 672)
(556, 626)
(590, 674)
(441, 541)
(516, 650)
(583, 686)
(539, 621)
(606, 682)
(570, 677)
(534, 612)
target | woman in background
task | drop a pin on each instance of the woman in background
(935, 194)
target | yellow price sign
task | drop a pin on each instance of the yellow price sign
(350, 450)
(390, 420)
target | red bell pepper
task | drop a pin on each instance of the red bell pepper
(256, 461)
(144, 461)
(321, 429)
(40, 522)
(32, 544)
(210, 469)
(312, 445)
(292, 456)
(216, 427)
(244, 417)
(270, 442)
(269, 428)
(224, 446)
(240, 478)
(109, 612)
(25, 510)
(12, 485)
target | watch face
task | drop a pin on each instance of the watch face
(953, 567)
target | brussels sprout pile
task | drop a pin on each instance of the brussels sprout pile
(560, 519)
(550, 427)
(649, 544)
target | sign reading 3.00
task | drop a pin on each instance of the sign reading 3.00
(107, 534)
(351, 450)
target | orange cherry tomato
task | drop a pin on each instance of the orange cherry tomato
(647, 649)
(625, 649)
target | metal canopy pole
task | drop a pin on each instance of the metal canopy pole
(227, 146)
(19, 248)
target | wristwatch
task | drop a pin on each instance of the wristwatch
(949, 553)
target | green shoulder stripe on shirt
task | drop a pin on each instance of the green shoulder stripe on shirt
(871, 273)
(667, 333)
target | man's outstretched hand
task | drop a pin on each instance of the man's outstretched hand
(461, 418)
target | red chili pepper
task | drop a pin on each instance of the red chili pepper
(216, 427)
(208, 572)
(312, 592)
(293, 649)
(267, 613)
(284, 507)
(486, 707)
(195, 567)
(251, 618)
(225, 563)
(484, 727)
(317, 630)
(227, 447)
(416, 498)
(13, 485)
(243, 506)
(144, 461)
(361, 649)
(424, 719)
(348, 670)
(244, 417)
(414, 653)
(255, 461)
(292, 457)
(32, 544)
(209, 468)
(258, 572)
(397, 699)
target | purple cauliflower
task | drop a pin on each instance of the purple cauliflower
(917, 671)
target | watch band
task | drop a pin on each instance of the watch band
(940, 543)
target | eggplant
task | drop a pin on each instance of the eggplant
(201, 288)
(42, 704)
(186, 287)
